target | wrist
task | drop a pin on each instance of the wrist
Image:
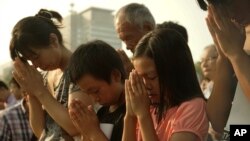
(97, 134)
(129, 118)
(144, 116)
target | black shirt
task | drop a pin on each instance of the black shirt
(115, 118)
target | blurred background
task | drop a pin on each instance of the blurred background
(85, 20)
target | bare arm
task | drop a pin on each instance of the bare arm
(86, 121)
(129, 130)
(183, 136)
(241, 65)
(59, 113)
(36, 113)
(32, 82)
(219, 103)
(147, 128)
(138, 106)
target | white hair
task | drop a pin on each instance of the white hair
(135, 13)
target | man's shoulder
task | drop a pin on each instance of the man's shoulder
(12, 110)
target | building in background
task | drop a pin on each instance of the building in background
(90, 24)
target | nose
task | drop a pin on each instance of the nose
(147, 84)
(95, 97)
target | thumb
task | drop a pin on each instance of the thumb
(91, 108)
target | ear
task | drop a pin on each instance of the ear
(53, 39)
(147, 27)
(116, 76)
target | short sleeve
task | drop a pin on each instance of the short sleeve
(191, 117)
(73, 88)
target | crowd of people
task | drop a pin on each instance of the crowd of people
(97, 93)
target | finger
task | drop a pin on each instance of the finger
(212, 32)
(127, 91)
(144, 90)
(18, 78)
(215, 14)
(81, 110)
(211, 18)
(129, 88)
(134, 84)
(138, 84)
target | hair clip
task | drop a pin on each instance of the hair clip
(19, 55)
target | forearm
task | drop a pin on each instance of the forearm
(58, 112)
(241, 65)
(219, 103)
(129, 130)
(147, 128)
(36, 114)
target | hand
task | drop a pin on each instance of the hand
(129, 111)
(227, 36)
(126, 61)
(84, 118)
(138, 96)
(29, 79)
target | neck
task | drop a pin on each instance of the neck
(247, 41)
(120, 101)
(65, 58)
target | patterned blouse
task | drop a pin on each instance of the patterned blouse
(52, 131)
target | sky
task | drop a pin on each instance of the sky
(185, 12)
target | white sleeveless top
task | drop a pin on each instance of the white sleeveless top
(240, 111)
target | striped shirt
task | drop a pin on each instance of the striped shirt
(14, 124)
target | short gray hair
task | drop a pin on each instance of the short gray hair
(136, 14)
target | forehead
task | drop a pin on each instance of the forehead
(208, 52)
(88, 81)
(124, 26)
(144, 65)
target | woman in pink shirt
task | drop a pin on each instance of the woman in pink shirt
(164, 101)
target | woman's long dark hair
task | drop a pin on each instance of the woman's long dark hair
(175, 67)
(34, 32)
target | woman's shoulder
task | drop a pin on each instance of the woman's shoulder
(195, 104)
(195, 101)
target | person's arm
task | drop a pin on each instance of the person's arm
(31, 81)
(85, 120)
(129, 130)
(138, 107)
(147, 128)
(59, 113)
(183, 136)
(36, 113)
(241, 65)
(220, 101)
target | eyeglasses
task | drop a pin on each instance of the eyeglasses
(209, 59)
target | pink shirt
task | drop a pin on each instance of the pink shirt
(190, 116)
